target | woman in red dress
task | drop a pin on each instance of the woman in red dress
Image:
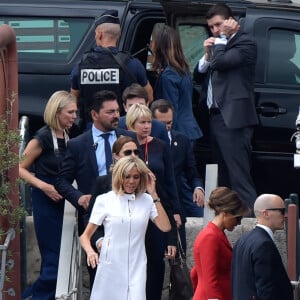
(211, 274)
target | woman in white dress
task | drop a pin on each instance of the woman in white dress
(124, 212)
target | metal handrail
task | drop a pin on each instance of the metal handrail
(3, 248)
(69, 281)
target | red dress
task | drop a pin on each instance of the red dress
(211, 274)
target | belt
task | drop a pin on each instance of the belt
(214, 111)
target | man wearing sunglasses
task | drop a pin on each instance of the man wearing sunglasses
(257, 268)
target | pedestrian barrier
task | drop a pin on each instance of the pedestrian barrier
(4, 249)
(292, 204)
(69, 277)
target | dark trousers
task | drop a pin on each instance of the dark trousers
(156, 244)
(48, 220)
(231, 149)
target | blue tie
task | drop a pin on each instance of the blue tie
(108, 155)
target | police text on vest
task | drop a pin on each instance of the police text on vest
(99, 76)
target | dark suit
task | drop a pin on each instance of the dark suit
(80, 164)
(257, 269)
(232, 73)
(184, 165)
(158, 129)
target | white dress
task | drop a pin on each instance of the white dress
(121, 272)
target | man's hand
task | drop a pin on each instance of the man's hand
(230, 27)
(198, 197)
(84, 201)
(207, 44)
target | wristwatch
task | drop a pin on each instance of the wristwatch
(156, 200)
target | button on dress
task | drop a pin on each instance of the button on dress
(121, 272)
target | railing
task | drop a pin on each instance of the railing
(4, 248)
(69, 280)
(25, 193)
(25, 197)
(293, 248)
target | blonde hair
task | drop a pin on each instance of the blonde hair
(122, 168)
(58, 101)
(137, 111)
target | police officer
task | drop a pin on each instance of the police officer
(106, 68)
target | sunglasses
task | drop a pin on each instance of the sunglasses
(282, 210)
(129, 152)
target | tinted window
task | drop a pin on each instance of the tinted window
(283, 57)
(52, 39)
(192, 38)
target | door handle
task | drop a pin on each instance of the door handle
(269, 109)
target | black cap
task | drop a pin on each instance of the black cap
(109, 16)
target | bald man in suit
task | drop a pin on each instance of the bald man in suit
(257, 269)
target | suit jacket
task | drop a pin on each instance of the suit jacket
(257, 269)
(212, 269)
(232, 71)
(158, 129)
(184, 162)
(80, 164)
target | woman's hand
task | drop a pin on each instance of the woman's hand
(92, 259)
(171, 252)
(51, 192)
(151, 189)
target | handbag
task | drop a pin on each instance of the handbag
(180, 287)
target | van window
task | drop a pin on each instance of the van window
(47, 39)
(284, 57)
(192, 38)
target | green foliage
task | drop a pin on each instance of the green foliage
(9, 141)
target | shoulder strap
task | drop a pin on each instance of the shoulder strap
(117, 58)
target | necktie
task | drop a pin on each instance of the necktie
(209, 93)
(209, 88)
(108, 155)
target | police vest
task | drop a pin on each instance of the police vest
(100, 71)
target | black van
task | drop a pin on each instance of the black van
(52, 35)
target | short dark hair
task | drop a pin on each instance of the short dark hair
(219, 10)
(162, 105)
(133, 91)
(100, 97)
